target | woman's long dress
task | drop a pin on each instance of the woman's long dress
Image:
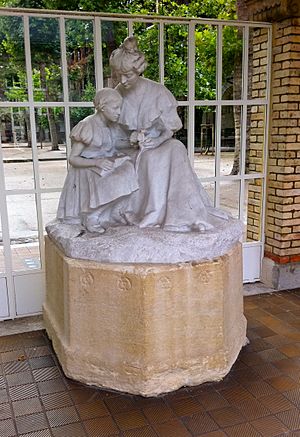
(170, 195)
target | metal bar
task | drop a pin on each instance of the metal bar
(218, 118)
(115, 16)
(8, 104)
(243, 135)
(191, 91)
(161, 54)
(98, 59)
(130, 27)
(252, 243)
(6, 242)
(64, 66)
(33, 134)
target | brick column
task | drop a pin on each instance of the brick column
(281, 263)
(256, 117)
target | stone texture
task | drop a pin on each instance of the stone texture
(145, 328)
(149, 245)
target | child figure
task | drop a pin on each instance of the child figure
(99, 178)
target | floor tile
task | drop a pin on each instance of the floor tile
(158, 413)
(200, 423)
(269, 426)
(172, 428)
(228, 416)
(101, 427)
(242, 430)
(259, 397)
(130, 420)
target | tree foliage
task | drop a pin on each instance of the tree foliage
(45, 49)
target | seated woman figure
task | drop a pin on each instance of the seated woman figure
(170, 195)
(99, 178)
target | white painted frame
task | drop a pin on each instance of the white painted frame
(253, 251)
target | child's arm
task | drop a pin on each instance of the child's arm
(79, 162)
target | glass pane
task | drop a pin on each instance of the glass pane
(181, 135)
(258, 59)
(256, 119)
(148, 39)
(232, 62)
(51, 143)
(205, 141)
(23, 230)
(230, 197)
(46, 59)
(78, 114)
(80, 59)
(230, 140)
(210, 189)
(13, 81)
(26, 256)
(49, 206)
(113, 34)
(16, 148)
(205, 74)
(176, 60)
(253, 209)
(2, 263)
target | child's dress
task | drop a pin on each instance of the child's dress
(91, 190)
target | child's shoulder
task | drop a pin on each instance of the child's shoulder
(84, 130)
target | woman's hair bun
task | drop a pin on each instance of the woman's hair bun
(130, 44)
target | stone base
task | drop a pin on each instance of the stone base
(280, 276)
(145, 328)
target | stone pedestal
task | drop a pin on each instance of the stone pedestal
(145, 328)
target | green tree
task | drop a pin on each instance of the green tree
(176, 37)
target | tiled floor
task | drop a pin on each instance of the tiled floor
(260, 396)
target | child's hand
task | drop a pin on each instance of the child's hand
(104, 164)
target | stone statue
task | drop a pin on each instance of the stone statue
(160, 190)
(130, 305)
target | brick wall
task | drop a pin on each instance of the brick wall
(283, 187)
(256, 122)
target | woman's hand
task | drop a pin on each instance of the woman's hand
(150, 143)
(103, 164)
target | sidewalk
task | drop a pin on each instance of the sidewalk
(23, 153)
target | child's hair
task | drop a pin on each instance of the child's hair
(105, 95)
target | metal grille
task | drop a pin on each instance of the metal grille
(208, 131)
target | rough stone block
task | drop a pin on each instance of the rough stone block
(145, 328)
